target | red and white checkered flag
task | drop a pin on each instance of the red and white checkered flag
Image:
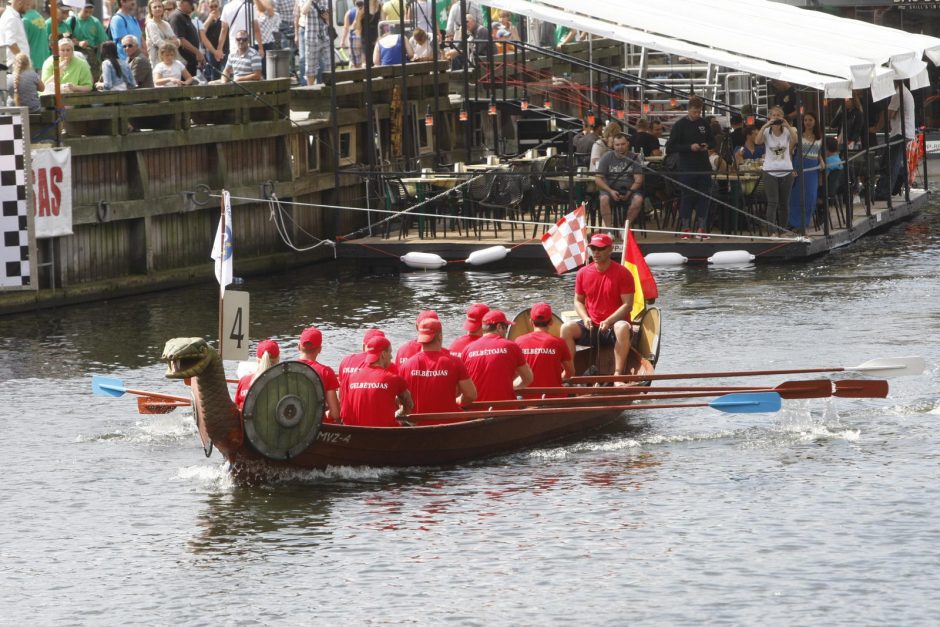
(565, 242)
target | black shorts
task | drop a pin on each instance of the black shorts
(626, 195)
(595, 337)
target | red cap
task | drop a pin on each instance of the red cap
(375, 347)
(541, 312)
(427, 313)
(495, 317)
(267, 346)
(428, 330)
(475, 317)
(601, 240)
(311, 338)
(371, 333)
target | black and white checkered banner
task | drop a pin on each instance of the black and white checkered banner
(18, 244)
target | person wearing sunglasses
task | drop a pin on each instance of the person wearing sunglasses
(140, 64)
(244, 63)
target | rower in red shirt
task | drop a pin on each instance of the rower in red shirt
(603, 298)
(268, 354)
(546, 354)
(352, 363)
(496, 365)
(474, 327)
(311, 342)
(439, 382)
(413, 347)
(374, 393)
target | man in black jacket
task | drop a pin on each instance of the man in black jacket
(691, 138)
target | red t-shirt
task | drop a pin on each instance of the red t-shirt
(458, 346)
(603, 290)
(242, 390)
(353, 363)
(432, 377)
(492, 362)
(371, 398)
(408, 350)
(330, 382)
(544, 353)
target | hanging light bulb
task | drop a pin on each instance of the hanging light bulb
(463, 115)
(590, 117)
(646, 106)
(524, 103)
(673, 101)
(620, 114)
(825, 102)
(750, 120)
(429, 117)
(492, 109)
(548, 103)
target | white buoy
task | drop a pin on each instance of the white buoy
(665, 259)
(487, 255)
(423, 261)
(731, 256)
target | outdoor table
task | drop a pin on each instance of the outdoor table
(420, 186)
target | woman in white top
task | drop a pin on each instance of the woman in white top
(159, 31)
(779, 138)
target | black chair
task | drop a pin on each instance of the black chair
(398, 198)
(503, 201)
(836, 181)
(478, 189)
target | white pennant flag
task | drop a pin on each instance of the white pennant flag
(222, 251)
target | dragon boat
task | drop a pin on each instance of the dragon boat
(282, 422)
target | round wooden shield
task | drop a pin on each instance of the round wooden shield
(284, 410)
(522, 324)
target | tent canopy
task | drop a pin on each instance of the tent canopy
(810, 48)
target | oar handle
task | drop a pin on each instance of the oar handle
(165, 397)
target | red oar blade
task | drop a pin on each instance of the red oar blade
(147, 405)
(815, 388)
(862, 388)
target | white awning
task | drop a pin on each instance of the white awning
(761, 37)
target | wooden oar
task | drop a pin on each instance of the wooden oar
(885, 367)
(106, 386)
(861, 388)
(814, 388)
(746, 403)
(807, 389)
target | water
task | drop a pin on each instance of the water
(824, 513)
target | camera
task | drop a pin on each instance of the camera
(777, 123)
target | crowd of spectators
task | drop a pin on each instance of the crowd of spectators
(203, 34)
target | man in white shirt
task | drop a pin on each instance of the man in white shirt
(12, 32)
(238, 15)
(890, 181)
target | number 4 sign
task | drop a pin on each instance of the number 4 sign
(235, 325)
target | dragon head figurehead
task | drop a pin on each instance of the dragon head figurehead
(187, 357)
(217, 416)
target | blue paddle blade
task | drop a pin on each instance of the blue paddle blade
(106, 386)
(747, 403)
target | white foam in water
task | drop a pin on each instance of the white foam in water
(936, 410)
(164, 427)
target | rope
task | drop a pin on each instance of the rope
(278, 216)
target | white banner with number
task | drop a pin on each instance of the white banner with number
(235, 338)
(52, 189)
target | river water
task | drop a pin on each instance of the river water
(823, 513)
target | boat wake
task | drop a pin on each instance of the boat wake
(157, 429)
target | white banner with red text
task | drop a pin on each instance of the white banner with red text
(52, 189)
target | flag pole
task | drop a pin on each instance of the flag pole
(222, 257)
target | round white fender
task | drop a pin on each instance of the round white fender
(423, 261)
(665, 259)
(487, 255)
(731, 256)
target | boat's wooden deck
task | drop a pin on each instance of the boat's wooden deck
(526, 246)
